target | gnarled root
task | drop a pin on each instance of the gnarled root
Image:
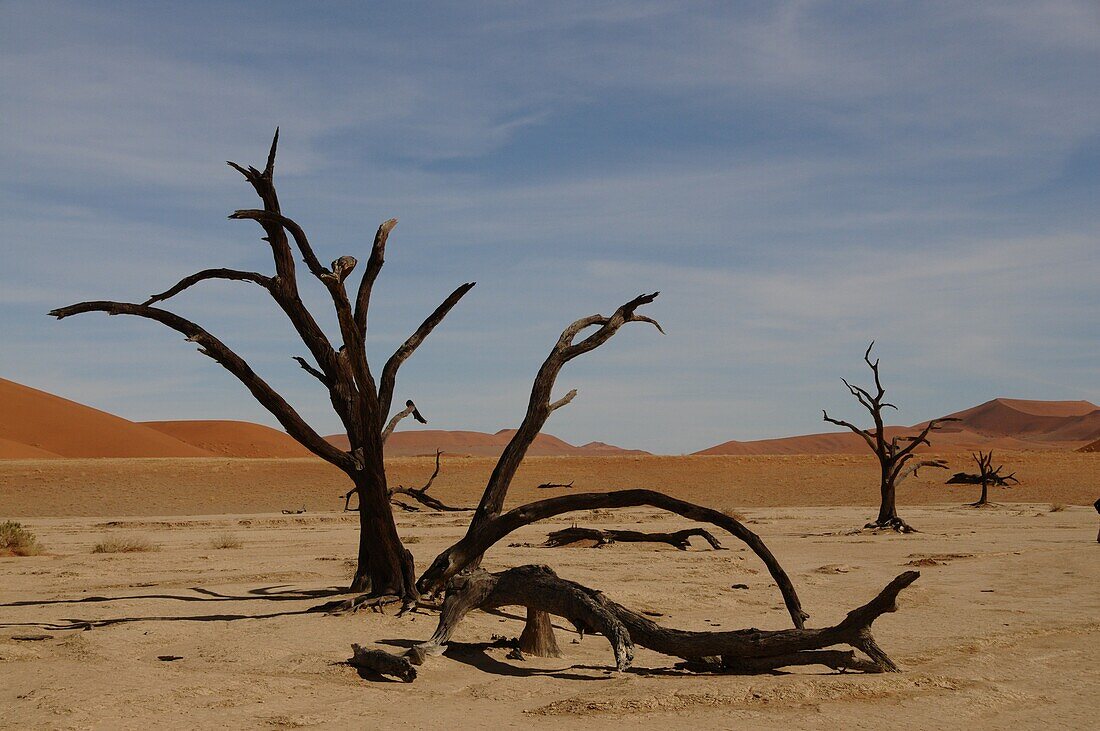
(895, 524)
(374, 602)
(746, 650)
(604, 537)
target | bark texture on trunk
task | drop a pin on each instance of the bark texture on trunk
(538, 637)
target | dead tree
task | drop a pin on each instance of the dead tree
(361, 402)
(892, 454)
(985, 477)
(607, 536)
(747, 650)
(420, 494)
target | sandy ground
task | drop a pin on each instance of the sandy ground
(96, 487)
(1002, 629)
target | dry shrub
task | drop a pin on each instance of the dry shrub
(731, 513)
(125, 544)
(1057, 507)
(16, 540)
(225, 540)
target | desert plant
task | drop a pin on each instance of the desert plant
(225, 540)
(1057, 507)
(17, 540)
(125, 544)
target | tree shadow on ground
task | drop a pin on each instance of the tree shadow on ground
(276, 593)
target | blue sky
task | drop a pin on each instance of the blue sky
(795, 178)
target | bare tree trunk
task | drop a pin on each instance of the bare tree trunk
(887, 511)
(381, 566)
(538, 636)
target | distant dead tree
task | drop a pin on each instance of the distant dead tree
(893, 454)
(985, 477)
(361, 402)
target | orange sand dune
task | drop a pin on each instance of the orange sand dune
(481, 444)
(1066, 420)
(41, 421)
(232, 438)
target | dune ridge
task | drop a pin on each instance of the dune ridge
(232, 438)
(1001, 423)
(36, 424)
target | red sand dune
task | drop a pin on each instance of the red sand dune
(232, 438)
(998, 424)
(35, 420)
(426, 441)
(1094, 447)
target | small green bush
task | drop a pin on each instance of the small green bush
(17, 540)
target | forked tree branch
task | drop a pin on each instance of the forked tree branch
(389, 372)
(539, 406)
(409, 410)
(849, 425)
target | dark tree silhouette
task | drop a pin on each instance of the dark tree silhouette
(385, 569)
(985, 477)
(893, 454)
(362, 404)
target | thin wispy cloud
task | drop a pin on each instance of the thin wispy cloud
(796, 178)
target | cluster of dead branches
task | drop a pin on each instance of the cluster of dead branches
(986, 475)
(385, 568)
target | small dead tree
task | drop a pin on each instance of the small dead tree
(361, 402)
(985, 477)
(892, 454)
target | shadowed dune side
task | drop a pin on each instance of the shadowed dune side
(232, 438)
(35, 422)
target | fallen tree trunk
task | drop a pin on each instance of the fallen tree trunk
(476, 542)
(539, 588)
(603, 537)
